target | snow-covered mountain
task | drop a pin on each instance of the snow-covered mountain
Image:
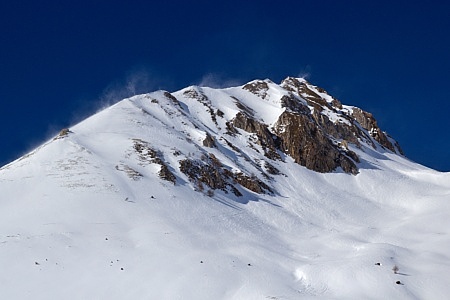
(262, 191)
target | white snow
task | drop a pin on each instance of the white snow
(73, 226)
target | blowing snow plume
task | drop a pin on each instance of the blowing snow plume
(136, 82)
(216, 81)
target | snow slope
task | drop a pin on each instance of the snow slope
(86, 216)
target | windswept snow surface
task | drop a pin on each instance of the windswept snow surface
(77, 223)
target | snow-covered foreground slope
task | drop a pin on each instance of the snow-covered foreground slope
(89, 216)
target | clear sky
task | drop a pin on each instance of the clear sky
(62, 60)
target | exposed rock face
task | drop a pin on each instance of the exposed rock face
(63, 133)
(302, 139)
(301, 88)
(369, 123)
(264, 137)
(203, 173)
(344, 129)
(210, 172)
(305, 131)
(257, 87)
(294, 104)
(147, 155)
(252, 183)
(352, 122)
(164, 173)
(341, 130)
(299, 136)
(209, 141)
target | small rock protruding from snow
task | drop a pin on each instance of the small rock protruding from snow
(63, 133)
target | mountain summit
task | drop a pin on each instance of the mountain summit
(261, 191)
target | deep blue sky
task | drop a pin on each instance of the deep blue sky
(60, 62)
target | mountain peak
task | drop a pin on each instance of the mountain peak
(293, 118)
(264, 122)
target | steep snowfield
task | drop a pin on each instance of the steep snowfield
(83, 217)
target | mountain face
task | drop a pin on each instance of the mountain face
(262, 191)
(294, 119)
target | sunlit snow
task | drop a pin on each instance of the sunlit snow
(75, 225)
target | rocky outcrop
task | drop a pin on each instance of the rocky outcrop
(164, 173)
(368, 122)
(209, 141)
(304, 131)
(62, 134)
(252, 183)
(312, 94)
(257, 87)
(210, 172)
(300, 136)
(313, 128)
(148, 155)
(302, 139)
(354, 125)
(265, 138)
(294, 104)
(301, 88)
(345, 130)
